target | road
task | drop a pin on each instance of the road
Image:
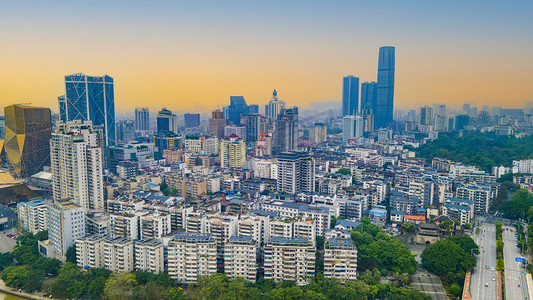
(486, 241)
(514, 276)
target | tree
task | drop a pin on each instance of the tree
(119, 286)
(344, 172)
(6, 260)
(286, 293)
(455, 290)
(163, 186)
(408, 227)
(67, 276)
(96, 287)
(467, 226)
(448, 260)
(15, 276)
(466, 243)
(174, 191)
(176, 294)
(519, 206)
(215, 286)
(71, 254)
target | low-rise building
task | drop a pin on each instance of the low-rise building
(33, 215)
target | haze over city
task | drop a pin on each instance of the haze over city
(193, 56)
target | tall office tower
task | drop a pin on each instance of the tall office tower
(255, 124)
(286, 130)
(466, 108)
(253, 109)
(318, 133)
(91, 98)
(369, 94)
(296, 172)
(217, 124)
(232, 152)
(368, 118)
(62, 108)
(236, 109)
(77, 165)
(426, 115)
(66, 224)
(352, 127)
(192, 120)
(142, 119)
(461, 121)
(385, 88)
(439, 109)
(275, 106)
(125, 130)
(350, 96)
(27, 137)
(2, 127)
(167, 121)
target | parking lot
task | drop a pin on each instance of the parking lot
(6, 243)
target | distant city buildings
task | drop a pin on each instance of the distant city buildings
(142, 119)
(167, 121)
(217, 124)
(192, 120)
(274, 106)
(236, 110)
(350, 96)
(286, 130)
(385, 87)
(353, 127)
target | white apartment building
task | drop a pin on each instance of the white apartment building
(191, 255)
(150, 256)
(118, 255)
(289, 259)
(340, 259)
(90, 251)
(257, 227)
(66, 224)
(232, 152)
(77, 164)
(33, 215)
(481, 195)
(155, 225)
(305, 229)
(523, 166)
(221, 228)
(124, 225)
(240, 258)
(209, 146)
(352, 127)
(281, 228)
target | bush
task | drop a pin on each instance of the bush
(500, 266)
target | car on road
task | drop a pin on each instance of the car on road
(493, 278)
(492, 269)
(487, 266)
(486, 284)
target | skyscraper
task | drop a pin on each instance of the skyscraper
(77, 164)
(217, 124)
(142, 119)
(426, 115)
(27, 136)
(125, 130)
(237, 109)
(369, 94)
(255, 123)
(274, 106)
(192, 120)
(167, 121)
(385, 88)
(350, 96)
(91, 98)
(296, 172)
(352, 127)
(253, 109)
(286, 130)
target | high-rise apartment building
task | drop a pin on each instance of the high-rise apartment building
(340, 259)
(90, 98)
(255, 124)
(90, 251)
(318, 133)
(217, 124)
(125, 130)
(150, 256)
(118, 255)
(142, 119)
(240, 258)
(385, 87)
(352, 127)
(426, 115)
(232, 152)
(236, 110)
(66, 224)
(274, 106)
(191, 255)
(27, 135)
(350, 96)
(33, 215)
(296, 172)
(167, 121)
(192, 120)
(286, 130)
(289, 259)
(369, 94)
(77, 164)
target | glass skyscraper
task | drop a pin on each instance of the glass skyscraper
(385, 89)
(368, 95)
(350, 96)
(90, 98)
(236, 109)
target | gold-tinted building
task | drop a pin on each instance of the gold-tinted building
(27, 139)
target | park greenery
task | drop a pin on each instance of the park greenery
(377, 250)
(450, 259)
(483, 150)
(519, 206)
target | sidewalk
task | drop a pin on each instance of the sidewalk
(4, 288)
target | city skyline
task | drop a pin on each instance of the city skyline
(159, 54)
